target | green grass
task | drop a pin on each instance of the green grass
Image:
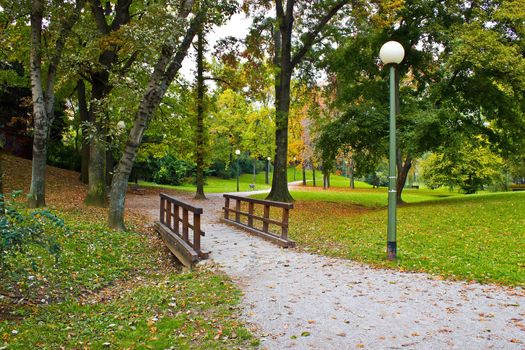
(373, 198)
(219, 185)
(116, 290)
(476, 237)
(181, 311)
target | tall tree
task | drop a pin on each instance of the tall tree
(199, 132)
(165, 69)
(99, 77)
(44, 97)
(285, 61)
(455, 77)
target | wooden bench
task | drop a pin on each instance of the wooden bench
(174, 225)
(517, 187)
(135, 189)
(233, 216)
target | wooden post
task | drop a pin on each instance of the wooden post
(169, 214)
(286, 214)
(227, 208)
(266, 216)
(176, 219)
(162, 212)
(237, 210)
(185, 225)
(250, 214)
(197, 232)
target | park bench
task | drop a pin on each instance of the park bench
(135, 189)
(517, 187)
(174, 225)
(233, 217)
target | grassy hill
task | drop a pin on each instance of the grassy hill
(108, 289)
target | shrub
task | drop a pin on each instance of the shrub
(172, 171)
(21, 230)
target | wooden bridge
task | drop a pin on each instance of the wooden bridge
(177, 218)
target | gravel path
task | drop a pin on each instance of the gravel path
(296, 300)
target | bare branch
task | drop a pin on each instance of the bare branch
(310, 37)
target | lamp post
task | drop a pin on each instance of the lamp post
(391, 54)
(294, 166)
(237, 152)
(268, 170)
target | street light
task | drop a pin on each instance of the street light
(392, 53)
(294, 166)
(268, 170)
(237, 152)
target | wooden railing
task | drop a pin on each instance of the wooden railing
(233, 216)
(174, 226)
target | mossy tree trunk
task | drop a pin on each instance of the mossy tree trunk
(199, 132)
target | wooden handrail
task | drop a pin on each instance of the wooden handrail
(171, 218)
(260, 201)
(250, 215)
(191, 208)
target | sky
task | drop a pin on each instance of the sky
(237, 26)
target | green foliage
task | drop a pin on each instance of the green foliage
(172, 171)
(470, 168)
(21, 231)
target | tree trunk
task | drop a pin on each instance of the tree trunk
(2, 198)
(43, 103)
(283, 76)
(402, 175)
(159, 81)
(313, 173)
(101, 88)
(304, 174)
(96, 195)
(351, 170)
(199, 133)
(38, 172)
(84, 118)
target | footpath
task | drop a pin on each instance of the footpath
(297, 300)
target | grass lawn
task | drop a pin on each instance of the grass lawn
(476, 237)
(219, 185)
(110, 289)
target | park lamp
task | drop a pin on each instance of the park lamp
(392, 53)
(269, 158)
(237, 152)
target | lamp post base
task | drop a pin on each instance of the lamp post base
(391, 250)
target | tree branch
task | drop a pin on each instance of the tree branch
(279, 9)
(121, 14)
(220, 80)
(100, 18)
(309, 38)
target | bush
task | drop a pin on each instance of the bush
(172, 171)
(220, 169)
(21, 230)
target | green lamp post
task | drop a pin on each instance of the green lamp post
(392, 54)
(238, 153)
(268, 160)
